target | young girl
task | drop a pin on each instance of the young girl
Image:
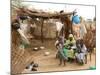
(62, 57)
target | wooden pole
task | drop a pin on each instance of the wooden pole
(42, 37)
(71, 27)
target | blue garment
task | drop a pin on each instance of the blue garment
(76, 19)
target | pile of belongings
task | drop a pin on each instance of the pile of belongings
(32, 66)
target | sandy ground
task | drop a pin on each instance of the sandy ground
(50, 63)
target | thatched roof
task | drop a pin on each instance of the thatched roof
(45, 15)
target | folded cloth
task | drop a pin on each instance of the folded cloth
(70, 53)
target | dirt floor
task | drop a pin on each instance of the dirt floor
(50, 63)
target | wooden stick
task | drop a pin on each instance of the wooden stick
(42, 38)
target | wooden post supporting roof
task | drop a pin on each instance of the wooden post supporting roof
(42, 37)
(67, 26)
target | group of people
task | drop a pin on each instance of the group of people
(70, 50)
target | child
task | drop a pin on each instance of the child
(81, 54)
(60, 40)
(61, 55)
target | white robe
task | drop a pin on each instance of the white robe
(59, 26)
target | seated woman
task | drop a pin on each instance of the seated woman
(70, 40)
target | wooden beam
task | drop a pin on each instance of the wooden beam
(47, 15)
